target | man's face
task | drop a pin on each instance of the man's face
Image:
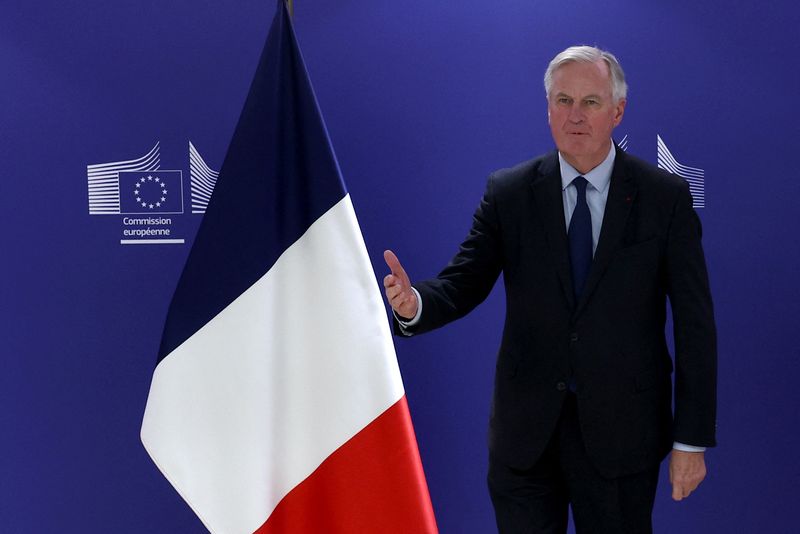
(582, 113)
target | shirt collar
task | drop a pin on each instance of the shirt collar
(599, 177)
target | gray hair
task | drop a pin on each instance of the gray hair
(589, 54)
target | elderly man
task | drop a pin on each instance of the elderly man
(591, 242)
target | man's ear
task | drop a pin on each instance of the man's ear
(619, 111)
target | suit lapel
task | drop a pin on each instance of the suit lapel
(621, 196)
(550, 208)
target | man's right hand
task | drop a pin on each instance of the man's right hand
(401, 297)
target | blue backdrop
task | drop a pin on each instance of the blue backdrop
(422, 100)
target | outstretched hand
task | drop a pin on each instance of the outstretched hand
(398, 288)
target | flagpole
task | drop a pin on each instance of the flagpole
(290, 5)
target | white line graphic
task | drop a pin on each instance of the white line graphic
(623, 143)
(696, 177)
(151, 241)
(202, 180)
(103, 180)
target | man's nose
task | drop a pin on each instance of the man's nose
(576, 114)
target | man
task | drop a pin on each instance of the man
(591, 242)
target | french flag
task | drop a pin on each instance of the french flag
(277, 404)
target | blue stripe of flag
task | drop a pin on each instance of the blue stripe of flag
(279, 175)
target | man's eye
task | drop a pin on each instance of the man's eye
(592, 102)
(563, 100)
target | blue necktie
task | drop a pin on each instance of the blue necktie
(580, 238)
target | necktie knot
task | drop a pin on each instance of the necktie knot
(580, 184)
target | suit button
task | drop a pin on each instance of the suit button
(573, 337)
(561, 386)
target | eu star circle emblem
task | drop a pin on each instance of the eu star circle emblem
(150, 192)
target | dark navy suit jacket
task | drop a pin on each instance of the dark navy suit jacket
(610, 344)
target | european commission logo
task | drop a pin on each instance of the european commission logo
(150, 192)
(147, 196)
(695, 176)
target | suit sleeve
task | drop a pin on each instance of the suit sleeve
(469, 277)
(694, 329)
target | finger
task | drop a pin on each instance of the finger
(399, 306)
(691, 484)
(681, 490)
(393, 291)
(391, 260)
(397, 269)
(397, 295)
(390, 280)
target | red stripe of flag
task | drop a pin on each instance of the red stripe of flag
(372, 483)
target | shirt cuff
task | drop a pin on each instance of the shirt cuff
(687, 448)
(414, 320)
